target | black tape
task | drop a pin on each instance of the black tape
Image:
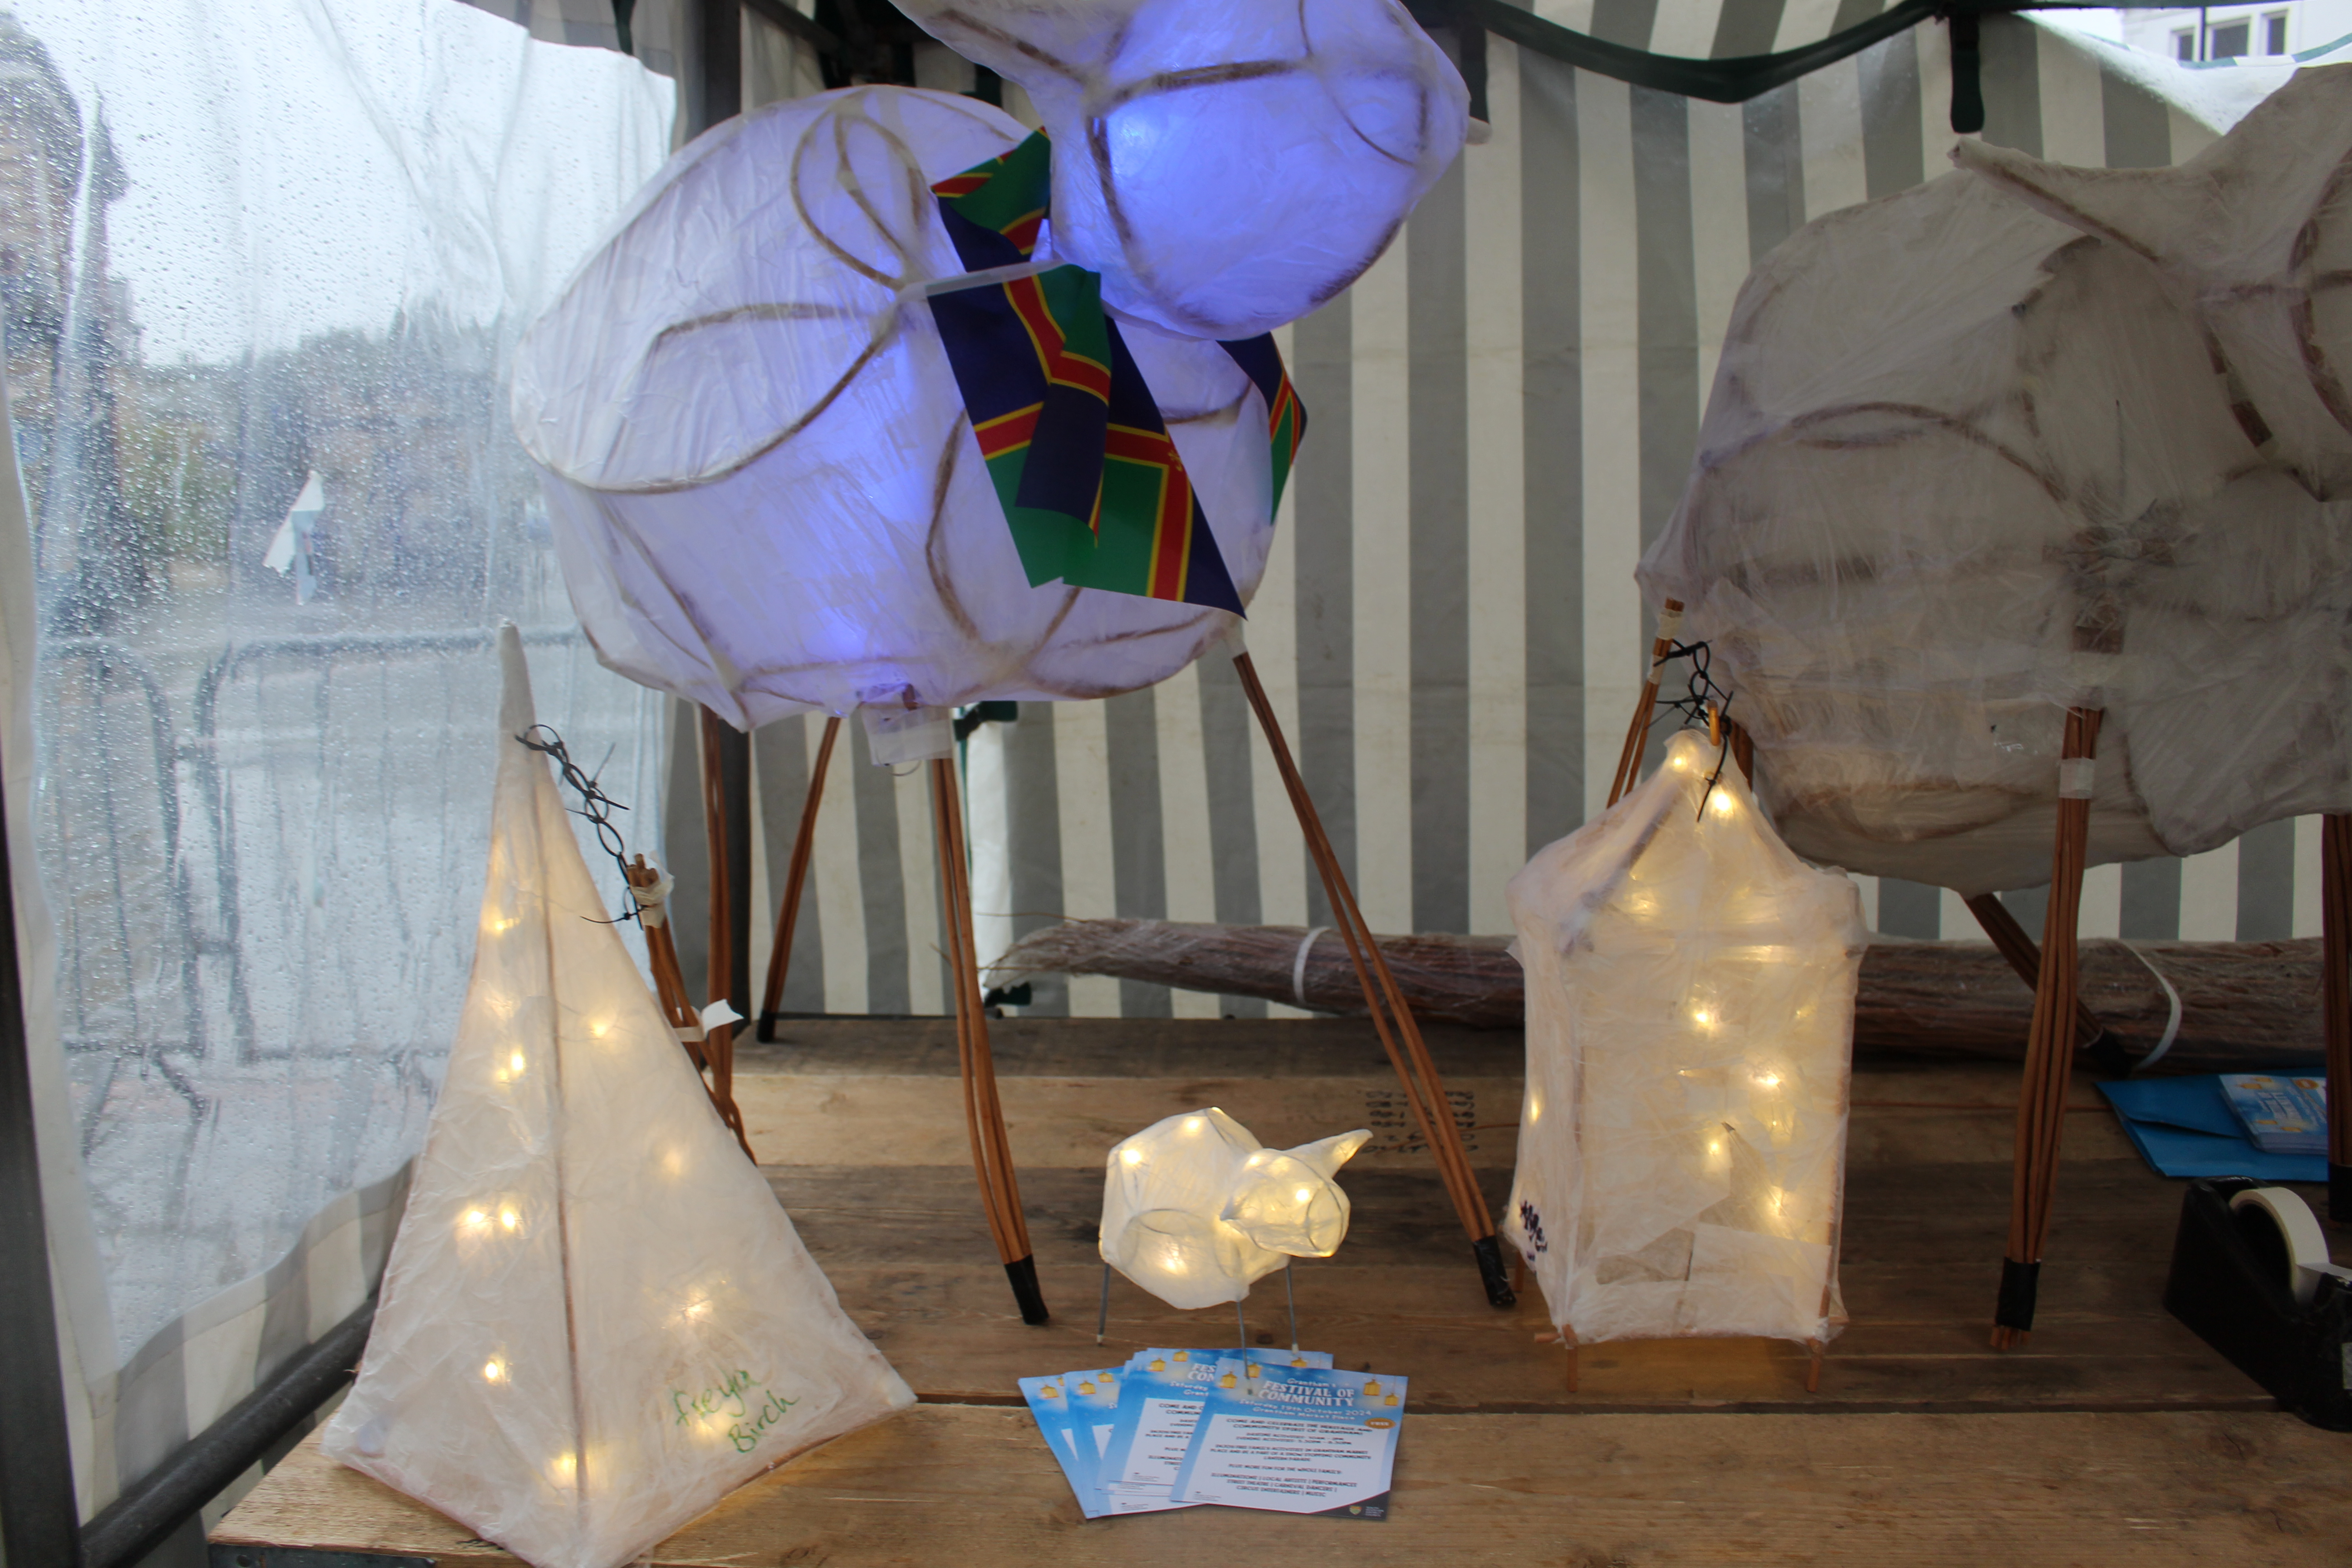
(2108, 1055)
(1022, 1272)
(2339, 1192)
(1490, 1253)
(2018, 1283)
(764, 1031)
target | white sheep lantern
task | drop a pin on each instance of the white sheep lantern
(1690, 990)
(1196, 1210)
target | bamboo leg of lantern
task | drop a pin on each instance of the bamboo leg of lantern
(669, 990)
(1102, 1317)
(1241, 1323)
(1290, 1300)
(2336, 1002)
(1629, 760)
(2018, 950)
(992, 1148)
(1392, 1018)
(2049, 1055)
(983, 1146)
(1567, 1344)
(780, 956)
(1813, 1349)
(718, 1039)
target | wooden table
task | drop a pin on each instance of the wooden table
(2114, 1436)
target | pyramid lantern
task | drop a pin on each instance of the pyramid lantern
(1690, 989)
(596, 1320)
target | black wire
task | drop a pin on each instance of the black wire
(596, 806)
(1701, 695)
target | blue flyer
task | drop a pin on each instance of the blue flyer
(1159, 1401)
(1293, 1440)
(1071, 1440)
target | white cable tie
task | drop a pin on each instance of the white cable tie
(718, 1013)
(652, 901)
(2172, 1024)
(2076, 776)
(1670, 622)
(1299, 965)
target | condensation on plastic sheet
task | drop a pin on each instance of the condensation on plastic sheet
(2029, 436)
(596, 1320)
(1226, 167)
(1690, 1022)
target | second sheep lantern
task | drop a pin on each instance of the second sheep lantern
(1690, 1017)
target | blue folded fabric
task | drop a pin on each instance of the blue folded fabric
(2184, 1127)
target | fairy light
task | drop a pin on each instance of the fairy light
(1722, 804)
(1130, 1156)
(1193, 1124)
(1768, 1079)
(516, 1062)
(494, 1371)
(474, 1221)
(509, 1219)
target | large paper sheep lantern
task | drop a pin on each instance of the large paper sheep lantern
(596, 1320)
(1690, 991)
(1196, 1210)
(2031, 438)
(766, 490)
(1225, 167)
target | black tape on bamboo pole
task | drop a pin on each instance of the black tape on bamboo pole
(2049, 1047)
(1392, 1017)
(992, 1148)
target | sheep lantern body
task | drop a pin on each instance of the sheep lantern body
(765, 491)
(2029, 438)
(1195, 1210)
(1690, 990)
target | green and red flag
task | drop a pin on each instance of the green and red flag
(1093, 489)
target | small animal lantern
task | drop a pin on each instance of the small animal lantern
(1690, 1015)
(1195, 1210)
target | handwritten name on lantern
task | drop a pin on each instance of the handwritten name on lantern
(748, 1407)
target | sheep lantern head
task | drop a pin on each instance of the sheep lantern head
(1195, 1209)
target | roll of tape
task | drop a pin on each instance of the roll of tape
(2306, 1244)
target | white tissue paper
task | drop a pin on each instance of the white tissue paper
(2030, 436)
(765, 493)
(1195, 1210)
(1690, 990)
(596, 1322)
(1225, 166)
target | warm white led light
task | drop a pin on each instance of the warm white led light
(510, 1217)
(1130, 1156)
(494, 1371)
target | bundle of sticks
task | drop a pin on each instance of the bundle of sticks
(2243, 1005)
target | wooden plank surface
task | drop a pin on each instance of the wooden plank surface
(975, 1486)
(2114, 1436)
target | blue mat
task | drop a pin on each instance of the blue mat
(2184, 1127)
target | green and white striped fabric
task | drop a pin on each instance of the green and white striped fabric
(1503, 413)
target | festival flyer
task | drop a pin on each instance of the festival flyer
(1293, 1440)
(1158, 1400)
(1064, 1433)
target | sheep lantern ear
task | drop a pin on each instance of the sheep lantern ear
(1288, 1202)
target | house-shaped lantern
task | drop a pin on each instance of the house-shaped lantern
(1690, 990)
(596, 1322)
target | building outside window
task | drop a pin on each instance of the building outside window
(2190, 34)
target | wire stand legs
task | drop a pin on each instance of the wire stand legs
(991, 1150)
(2049, 1049)
(1400, 1036)
(780, 956)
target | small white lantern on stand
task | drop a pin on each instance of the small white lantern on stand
(1690, 990)
(1196, 1210)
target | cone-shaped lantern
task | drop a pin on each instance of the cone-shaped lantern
(596, 1320)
